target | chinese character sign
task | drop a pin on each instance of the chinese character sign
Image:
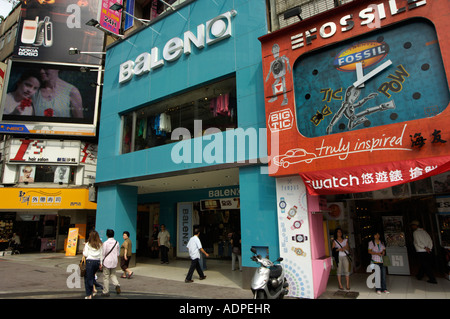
(373, 177)
(110, 19)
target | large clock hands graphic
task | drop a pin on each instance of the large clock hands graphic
(352, 94)
(360, 80)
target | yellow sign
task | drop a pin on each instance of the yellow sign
(72, 241)
(45, 198)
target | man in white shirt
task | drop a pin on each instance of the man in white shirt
(111, 251)
(195, 247)
(164, 244)
(423, 245)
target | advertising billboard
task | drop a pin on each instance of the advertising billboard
(110, 19)
(46, 98)
(47, 29)
(356, 98)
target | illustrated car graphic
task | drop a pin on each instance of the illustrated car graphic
(294, 156)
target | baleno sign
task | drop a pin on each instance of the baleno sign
(213, 31)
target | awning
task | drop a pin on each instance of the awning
(373, 177)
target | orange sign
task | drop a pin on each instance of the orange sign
(359, 85)
(72, 242)
(45, 198)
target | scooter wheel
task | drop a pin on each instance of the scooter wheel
(259, 294)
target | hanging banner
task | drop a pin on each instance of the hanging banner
(373, 177)
(72, 242)
(184, 227)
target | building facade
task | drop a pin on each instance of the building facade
(356, 99)
(182, 134)
(49, 114)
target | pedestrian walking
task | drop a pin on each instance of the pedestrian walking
(195, 247)
(164, 244)
(111, 252)
(92, 252)
(125, 255)
(423, 245)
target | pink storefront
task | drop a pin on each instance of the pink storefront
(356, 101)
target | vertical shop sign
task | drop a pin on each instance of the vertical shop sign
(293, 229)
(109, 19)
(129, 21)
(184, 226)
(72, 241)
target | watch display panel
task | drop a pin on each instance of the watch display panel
(390, 75)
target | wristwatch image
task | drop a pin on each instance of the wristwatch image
(282, 205)
(300, 238)
(292, 212)
(298, 251)
(297, 224)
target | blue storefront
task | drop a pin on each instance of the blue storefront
(183, 121)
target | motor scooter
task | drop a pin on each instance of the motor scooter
(268, 281)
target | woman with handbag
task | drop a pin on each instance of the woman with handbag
(378, 250)
(93, 253)
(341, 245)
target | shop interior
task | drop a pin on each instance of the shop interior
(214, 104)
(39, 232)
(390, 211)
(216, 227)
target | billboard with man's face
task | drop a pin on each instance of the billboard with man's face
(44, 98)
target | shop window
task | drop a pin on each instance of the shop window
(127, 133)
(212, 106)
(153, 8)
(59, 174)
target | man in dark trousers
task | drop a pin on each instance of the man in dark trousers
(195, 246)
(423, 245)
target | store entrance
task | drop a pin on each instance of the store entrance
(217, 228)
(392, 218)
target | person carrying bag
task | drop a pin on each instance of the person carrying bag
(82, 266)
(110, 261)
(340, 244)
(377, 250)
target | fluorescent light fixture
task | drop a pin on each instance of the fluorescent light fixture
(73, 51)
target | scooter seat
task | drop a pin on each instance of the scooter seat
(276, 271)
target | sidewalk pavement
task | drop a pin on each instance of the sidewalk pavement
(48, 276)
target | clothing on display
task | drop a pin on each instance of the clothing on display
(160, 124)
(221, 105)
